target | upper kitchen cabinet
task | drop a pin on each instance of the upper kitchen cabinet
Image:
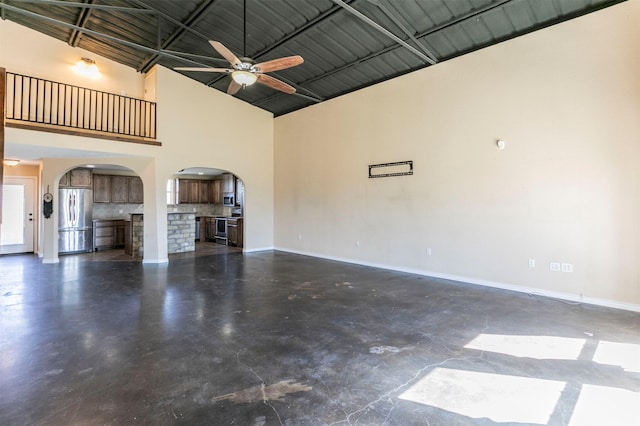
(205, 192)
(117, 189)
(76, 178)
(101, 189)
(136, 194)
(189, 191)
(216, 191)
(80, 178)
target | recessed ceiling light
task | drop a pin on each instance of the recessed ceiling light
(91, 166)
(200, 173)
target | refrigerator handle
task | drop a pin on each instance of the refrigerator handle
(72, 209)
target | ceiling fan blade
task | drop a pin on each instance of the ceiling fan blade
(233, 87)
(274, 83)
(200, 69)
(279, 64)
(225, 53)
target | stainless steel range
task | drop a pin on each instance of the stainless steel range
(221, 230)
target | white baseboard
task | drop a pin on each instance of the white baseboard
(252, 250)
(577, 298)
(51, 261)
(165, 260)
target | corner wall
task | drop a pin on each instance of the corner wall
(566, 189)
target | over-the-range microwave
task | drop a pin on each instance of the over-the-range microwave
(228, 199)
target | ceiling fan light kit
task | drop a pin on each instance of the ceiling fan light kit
(244, 78)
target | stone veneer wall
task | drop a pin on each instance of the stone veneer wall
(137, 235)
(181, 232)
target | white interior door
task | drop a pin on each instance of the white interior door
(18, 215)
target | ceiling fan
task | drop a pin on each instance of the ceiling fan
(244, 71)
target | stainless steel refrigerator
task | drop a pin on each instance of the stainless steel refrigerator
(75, 232)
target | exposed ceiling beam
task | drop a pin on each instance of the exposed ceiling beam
(83, 17)
(384, 31)
(471, 14)
(87, 5)
(191, 20)
(98, 34)
(298, 31)
(404, 29)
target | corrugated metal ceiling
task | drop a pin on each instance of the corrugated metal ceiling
(342, 51)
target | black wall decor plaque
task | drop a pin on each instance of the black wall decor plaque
(398, 168)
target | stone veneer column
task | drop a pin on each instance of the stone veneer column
(181, 232)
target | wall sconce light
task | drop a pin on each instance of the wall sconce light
(9, 162)
(87, 68)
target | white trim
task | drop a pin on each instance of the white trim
(252, 250)
(56, 260)
(165, 260)
(577, 298)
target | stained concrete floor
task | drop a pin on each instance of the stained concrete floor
(272, 338)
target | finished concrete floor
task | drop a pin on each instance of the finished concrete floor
(272, 338)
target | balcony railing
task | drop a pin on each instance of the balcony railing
(35, 100)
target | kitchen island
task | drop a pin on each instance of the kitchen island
(181, 234)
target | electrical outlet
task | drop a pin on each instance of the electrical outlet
(428, 252)
(532, 263)
(567, 267)
(554, 266)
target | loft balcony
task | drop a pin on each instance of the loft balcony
(50, 106)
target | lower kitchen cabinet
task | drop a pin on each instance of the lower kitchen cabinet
(108, 234)
(119, 233)
(234, 231)
(209, 228)
(103, 234)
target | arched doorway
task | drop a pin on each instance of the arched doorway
(215, 198)
(96, 204)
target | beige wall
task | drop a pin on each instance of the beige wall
(197, 126)
(22, 170)
(28, 52)
(566, 189)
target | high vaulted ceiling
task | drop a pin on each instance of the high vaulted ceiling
(346, 44)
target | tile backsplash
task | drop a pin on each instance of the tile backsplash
(115, 211)
(122, 211)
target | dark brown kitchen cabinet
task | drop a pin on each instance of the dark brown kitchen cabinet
(119, 235)
(234, 231)
(76, 178)
(119, 189)
(189, 191)
(135, 194)
(101, 189)
(64, 181)
(210, 228)
(103, 234)
(205, 191)
(80, 178)
(216, 191)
